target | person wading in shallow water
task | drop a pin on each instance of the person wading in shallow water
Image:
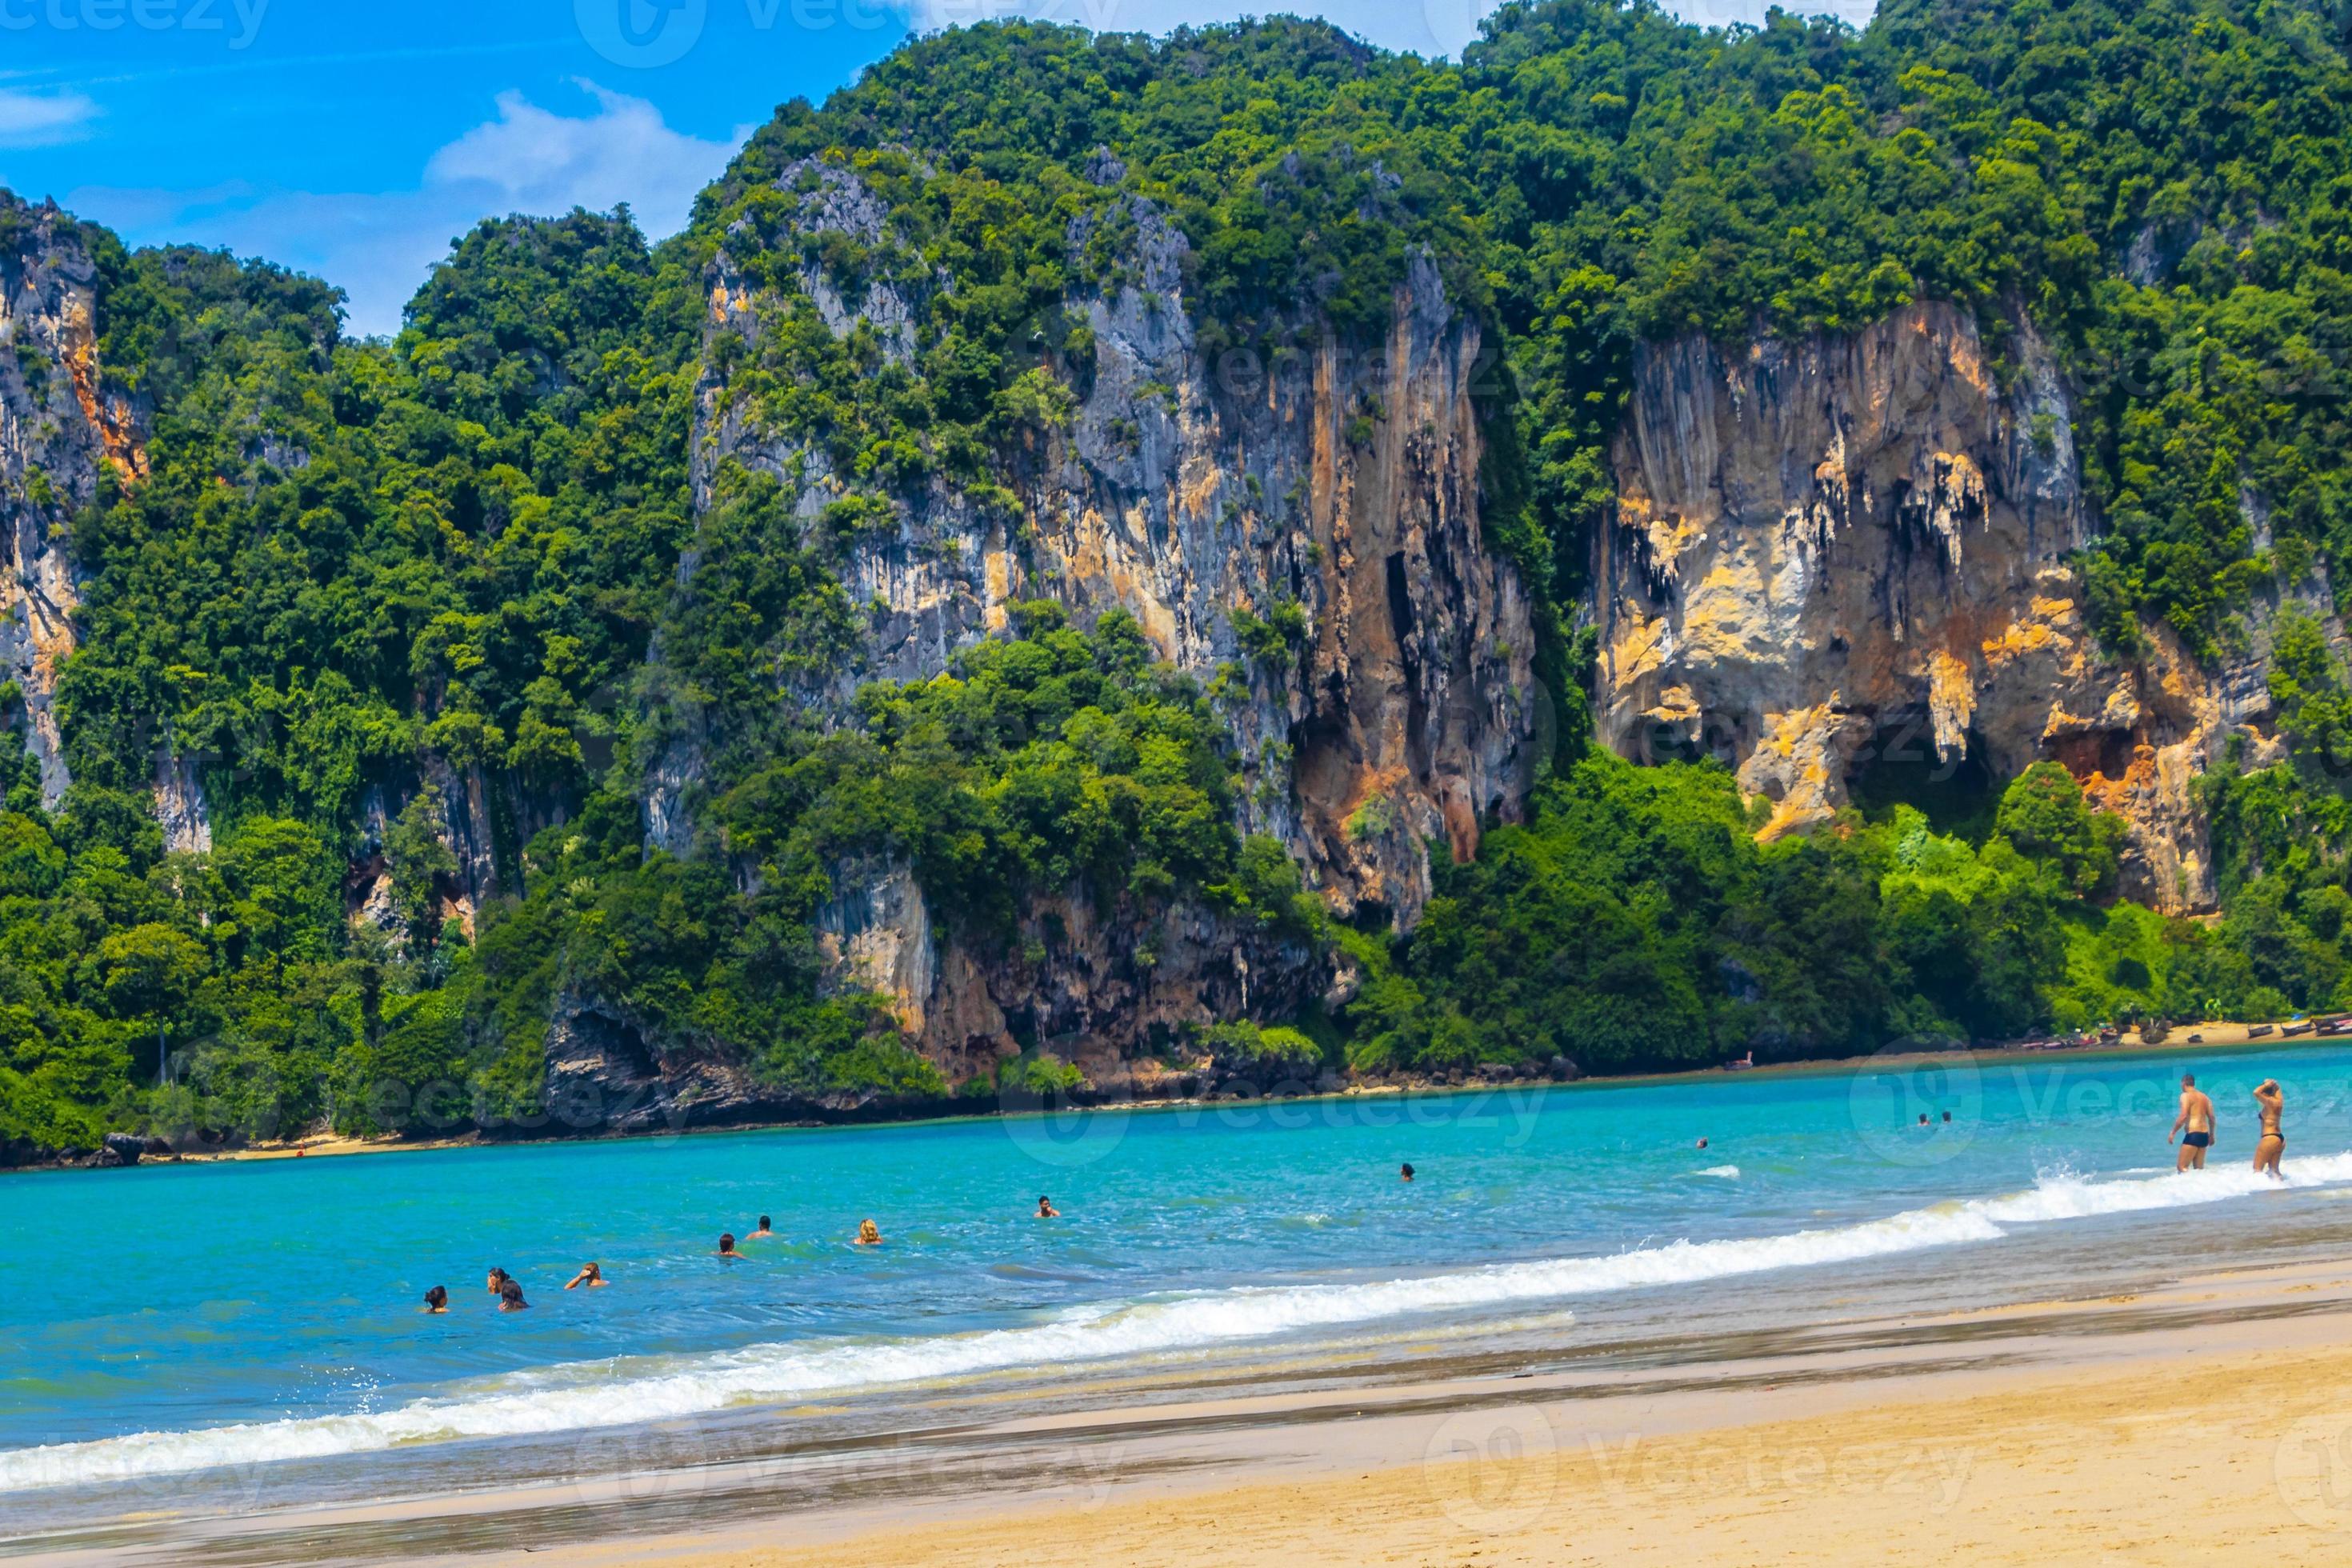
(2197, 1116)
(2273, 1099)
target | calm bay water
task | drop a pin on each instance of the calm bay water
(168, 1323)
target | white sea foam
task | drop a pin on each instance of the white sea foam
(588, 1396)
(1729, 1172)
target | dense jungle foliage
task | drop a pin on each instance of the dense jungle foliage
(472, 574)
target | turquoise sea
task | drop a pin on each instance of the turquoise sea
(236, 1336)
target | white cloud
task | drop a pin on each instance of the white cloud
(43, 119)
(379, 246)
(542, 162)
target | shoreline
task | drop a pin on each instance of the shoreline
(1954, 1445)
(1936, 1430)
(1983, 1464)
(2236, 1041)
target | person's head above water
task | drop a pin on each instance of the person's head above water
(2189, 1080)
(436, 1300)
(725, 1241)
(868, 1233)
(1406, 1173)
(510, 1297)
(1701, 1142)
(763, 1222)
(497, 1277)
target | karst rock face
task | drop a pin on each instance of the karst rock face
(61, 427)
(1340, 476)
(1839, 551)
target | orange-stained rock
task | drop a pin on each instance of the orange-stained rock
(60, 426)
(1340, 474)
(1830, 547)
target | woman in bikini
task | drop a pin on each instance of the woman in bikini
(2272, 1143)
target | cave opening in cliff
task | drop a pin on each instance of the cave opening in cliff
(2107, 753)
(1899, 767)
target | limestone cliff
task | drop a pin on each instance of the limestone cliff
(1848, 549)
(1184, 487)
(60, 424)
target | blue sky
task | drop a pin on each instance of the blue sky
(354, 140)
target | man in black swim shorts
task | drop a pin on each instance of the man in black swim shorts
(2197, 1116)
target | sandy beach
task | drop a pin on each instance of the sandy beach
(2135, 1443)
(2238, 1456)
(2216, 1413)
(1829, 1338)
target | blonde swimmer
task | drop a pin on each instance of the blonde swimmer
(2272, 1143)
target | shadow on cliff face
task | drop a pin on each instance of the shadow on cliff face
(1898, 766)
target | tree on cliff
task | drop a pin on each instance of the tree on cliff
(484, 570)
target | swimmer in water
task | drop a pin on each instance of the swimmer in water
(497, 1277)
(727, 1245)
(436, 1300)
(590, 1276)
(1046, 1209)
(2272, 1143)
(1701, 1142)
(868, 1233)
(1406, 1173)
(762, 1232)
(510, 1297)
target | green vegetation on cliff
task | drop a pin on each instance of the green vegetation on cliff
(435, 613)
(1637, 922)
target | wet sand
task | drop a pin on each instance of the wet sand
(2216, 1413)
(2231, 1463)
(2166, 1428)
